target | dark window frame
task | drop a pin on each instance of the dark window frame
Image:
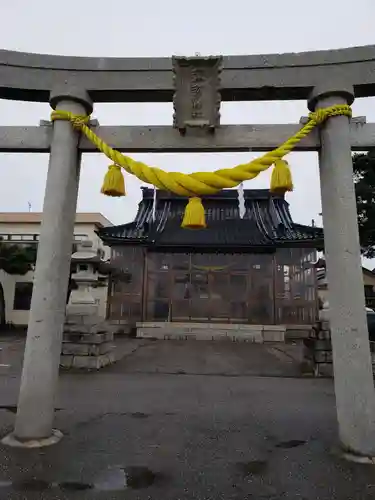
(22, 302)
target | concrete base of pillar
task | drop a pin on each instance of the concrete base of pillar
(358, 459)
(13, 442)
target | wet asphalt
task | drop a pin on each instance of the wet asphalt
(167, 422)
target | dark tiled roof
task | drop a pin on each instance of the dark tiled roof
(267, 223)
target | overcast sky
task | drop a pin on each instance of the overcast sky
(148, 28)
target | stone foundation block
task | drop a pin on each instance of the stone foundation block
(172, 336)
(88, 328)
(123, 322)
(219, 336)
(323, 356)
(83, 338)
(81, 319)
(325, 370)
(257, 339)
(323, 335)
(201, 331)
(122, 329)
(66, 360)
(87, 362)
(323, 345)
(274, 334)
(255, 336)
(228, 327)
(191, 336)
(151, 333)
(86, 349)
(204, 335)
(87, 342)
(250, 328)
(82, 313)
(297, 332)
(324, 325)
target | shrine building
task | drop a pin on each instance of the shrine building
(257, 269)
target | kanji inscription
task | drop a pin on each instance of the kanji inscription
(197, 92)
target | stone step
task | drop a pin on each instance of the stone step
(211, 331)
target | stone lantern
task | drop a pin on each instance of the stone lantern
(86, 275)
(88, 339)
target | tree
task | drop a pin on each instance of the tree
(364, 179)
(20, 259)
(17, 259)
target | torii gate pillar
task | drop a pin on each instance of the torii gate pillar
(354, 384)
(35, 413)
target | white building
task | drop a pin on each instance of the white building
(24, 228)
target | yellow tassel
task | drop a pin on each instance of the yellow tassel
(281, 179)
(194, 217)
(113, 184)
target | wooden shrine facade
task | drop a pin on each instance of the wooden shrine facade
(256, 270)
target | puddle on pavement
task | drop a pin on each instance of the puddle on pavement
(139, 414)
(13, 408)
(252, 467)
(140, 477)
(31, 485)
(293, 443)
(74, 486)
(111, 480)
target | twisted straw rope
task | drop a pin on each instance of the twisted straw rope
(201, 183)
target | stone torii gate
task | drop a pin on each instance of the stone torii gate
(73, 84)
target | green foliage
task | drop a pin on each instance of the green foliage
(17, 259)
(364, 178)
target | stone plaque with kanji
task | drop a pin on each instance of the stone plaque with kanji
(197, 92)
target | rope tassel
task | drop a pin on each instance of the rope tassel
(114, 183)
(194, 217)
(281, 178)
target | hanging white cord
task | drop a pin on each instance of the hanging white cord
(241, 201)
(154, 206)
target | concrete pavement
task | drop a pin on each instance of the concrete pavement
(148, 435)
(210, 358)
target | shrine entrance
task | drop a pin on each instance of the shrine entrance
(223, 288)
(328, 80)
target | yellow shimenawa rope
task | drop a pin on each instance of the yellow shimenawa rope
(200, 183)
